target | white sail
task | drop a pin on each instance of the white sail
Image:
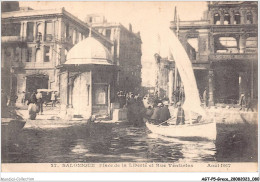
(178, 54)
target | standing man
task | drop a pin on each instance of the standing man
(205, 97)
(242, 101)
(39, 102)
(249, 104)
(53, 99)
(23, 98)
(180, 115)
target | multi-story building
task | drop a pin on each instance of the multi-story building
(127, 51)
(35, 43)
(223, 50)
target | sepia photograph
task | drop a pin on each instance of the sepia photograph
(129, 86)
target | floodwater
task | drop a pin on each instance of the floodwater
(122, 142)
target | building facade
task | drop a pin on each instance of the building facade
(127, 51)
(223, 50)
(35, 43)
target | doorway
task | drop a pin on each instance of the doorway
(101, 99)
(34, 82)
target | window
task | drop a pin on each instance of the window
(192, 48)
(47, 54)
(237, 19)
(249, 18)
(226, 19)
(11, 29)
(48, 31)
(29, 55)
(108, 33)
(216, 19)
(39, 31)
(30, 27)
(67, 31)
(251, 45)
(17, 54)
(226, 45)
(90, 20)
(38, 55)
(77, 36)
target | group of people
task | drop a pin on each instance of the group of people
(179, 94)
(245, 102)
(36, 101)
(160, 114)
(135, 109)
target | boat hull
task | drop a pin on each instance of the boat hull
(12, 125)
(201, 130)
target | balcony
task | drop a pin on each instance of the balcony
(11, 39)
(235, 56)
(36, 65)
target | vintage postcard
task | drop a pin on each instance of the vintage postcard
(129, 86)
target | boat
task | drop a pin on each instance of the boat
(205, 130)
(12, 125)
(11, 121)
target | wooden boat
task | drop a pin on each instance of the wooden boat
(11, 121)
(201, 130)
(12, 125)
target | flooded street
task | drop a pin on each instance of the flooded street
(121, 142)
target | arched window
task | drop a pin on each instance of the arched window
(216, 19)
(226, 19)
(237, 19)
(40, 31)
(249, 18)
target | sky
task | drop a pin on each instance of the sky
(150, 18)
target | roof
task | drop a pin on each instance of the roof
(89, 51)
(49, 13)
(114, 24)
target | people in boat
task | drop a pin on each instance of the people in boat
(149, 112)
(180, 115)
(205, 97)
(155, 118)
(164, 113)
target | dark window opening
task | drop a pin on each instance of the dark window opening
(249, 18)
(216, 19)
(237, 19)
(29, 55)
(67, 31)
(49, 31)
(226, 19)
(30, 27)
(90, 20)
(11, 29)
(47, 54)
(108, 33)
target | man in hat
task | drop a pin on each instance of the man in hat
(205, 97)
(242, 101)
(180, 115)
(155, 118)
(165, 113)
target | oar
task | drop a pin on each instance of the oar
(164, 122)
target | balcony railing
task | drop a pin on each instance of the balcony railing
(236, 56)
(10, 39)
(29, 65)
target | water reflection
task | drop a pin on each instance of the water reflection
(101, 142)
